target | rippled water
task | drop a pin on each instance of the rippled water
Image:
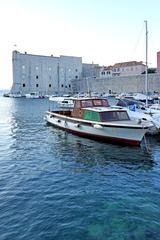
(55, 185)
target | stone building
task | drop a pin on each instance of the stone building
(128, 68)
(123, 69)
(44, 74)
(67, 74)
(106, 72)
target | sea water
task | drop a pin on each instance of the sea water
(55, 185)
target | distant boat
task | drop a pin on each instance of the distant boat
(62, 102)
(142, 97)
(13, 95)
(137, 111)
(35, 95)
(93, 118)
(6, 95)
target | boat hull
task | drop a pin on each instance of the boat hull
(106, 133)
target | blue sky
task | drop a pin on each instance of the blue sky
(99, 31)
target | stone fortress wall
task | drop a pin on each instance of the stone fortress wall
(67, 74)
(118, 84)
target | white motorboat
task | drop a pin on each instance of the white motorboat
(137, 111)
(34, 95)
(62, 102)
(13, 95)
(154, 108)
(93, 118)
(141, 97)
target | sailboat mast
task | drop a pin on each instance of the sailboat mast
(146, 72)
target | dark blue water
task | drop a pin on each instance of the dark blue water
(55, 185)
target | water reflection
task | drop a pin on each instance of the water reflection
(75, 185)
(7, 127)
(20, 124)
(89, 154)
(25, 132)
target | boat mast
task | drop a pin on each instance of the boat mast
(146, 72)
(58, 78)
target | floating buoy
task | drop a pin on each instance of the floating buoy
(97, 126)
(77, 125)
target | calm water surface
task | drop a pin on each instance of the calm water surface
(58, 186)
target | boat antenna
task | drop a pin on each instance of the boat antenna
(88, 89)
(146, 72)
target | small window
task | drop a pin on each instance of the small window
(69, 85)
(100, 102)
(50, 85)
(36, 85)
(37, 77)
(76, 70)
(24, 85)
(114, 116)
(105, 103)
(87, 103)
(91, 115)
(62, 85)
(76, 77)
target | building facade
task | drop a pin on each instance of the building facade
(44, 74)
(67, 74)
(106, 72)
(128, 68)
(123, 69)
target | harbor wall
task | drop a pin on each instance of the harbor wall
(118, 84)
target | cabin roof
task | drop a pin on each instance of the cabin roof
(104, 109)
(86, 98)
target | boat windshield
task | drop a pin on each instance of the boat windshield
(127, 102)
(114, 116)
(87, 103)
(94, 103)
